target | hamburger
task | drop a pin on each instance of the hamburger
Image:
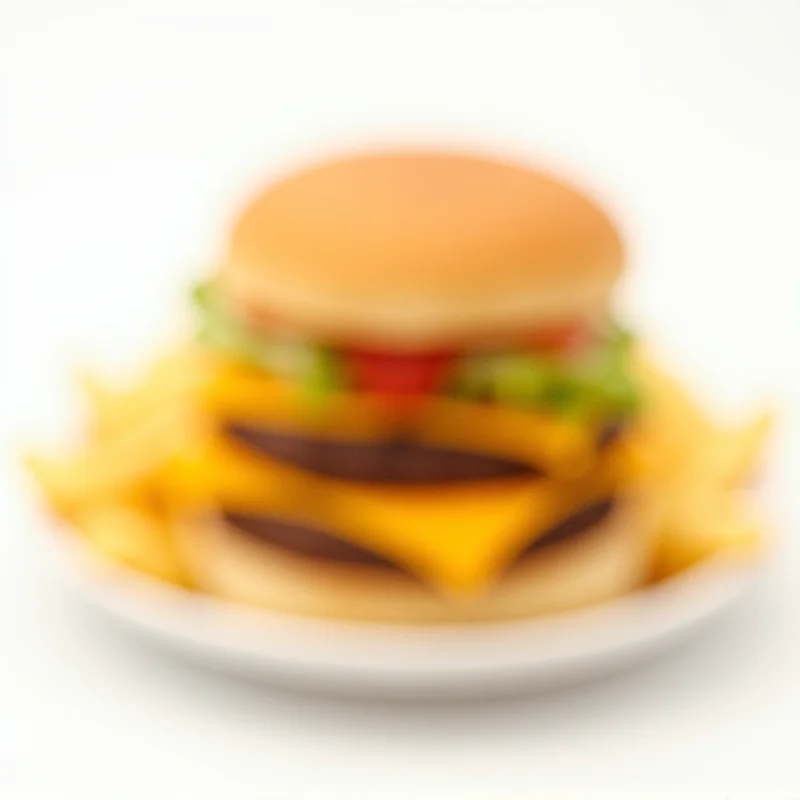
(420, 399)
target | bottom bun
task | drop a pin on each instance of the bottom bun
(607, 561)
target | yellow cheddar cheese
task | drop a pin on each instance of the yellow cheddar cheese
(457, 538)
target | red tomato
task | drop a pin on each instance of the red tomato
(399, 375)
(562, 338)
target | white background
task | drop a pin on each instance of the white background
(131, 131)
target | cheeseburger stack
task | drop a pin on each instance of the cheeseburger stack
(421, 398)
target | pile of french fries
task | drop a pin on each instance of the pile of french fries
(699, 475)
(114, 493)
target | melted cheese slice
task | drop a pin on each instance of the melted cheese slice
(456, 538)
(561, 447)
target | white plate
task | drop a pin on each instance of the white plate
(404, 660)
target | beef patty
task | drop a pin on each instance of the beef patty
(399, 461)
(322, 545)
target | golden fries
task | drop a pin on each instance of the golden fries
(702, 521)
(668, 402)
(176, 377)
(731, 455)
(134, 536)
(111, 490)
(672, 424)
(120, 468)
(693, 471)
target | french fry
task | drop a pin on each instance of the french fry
(701, 521)
(675, 435)
(666, 398)
(132, 535)
(119, 468)
(732, 455)
(100, 398)
(177, 376)
(691, 469)
(670, 429)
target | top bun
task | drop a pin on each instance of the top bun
(419, 249)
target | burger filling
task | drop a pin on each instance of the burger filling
(577, 370)
(315, 543)
(394, 461)
(398, 461)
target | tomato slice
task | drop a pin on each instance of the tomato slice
(405, 376)
(401, 379)
(562, 338)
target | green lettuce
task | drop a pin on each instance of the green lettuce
(316, 368)
(599, 382)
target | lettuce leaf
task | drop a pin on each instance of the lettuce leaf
(600, 382)
(316, 368)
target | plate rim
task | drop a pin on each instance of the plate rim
(400, 655)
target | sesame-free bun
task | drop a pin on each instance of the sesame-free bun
(607, 561)
(413, 249)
